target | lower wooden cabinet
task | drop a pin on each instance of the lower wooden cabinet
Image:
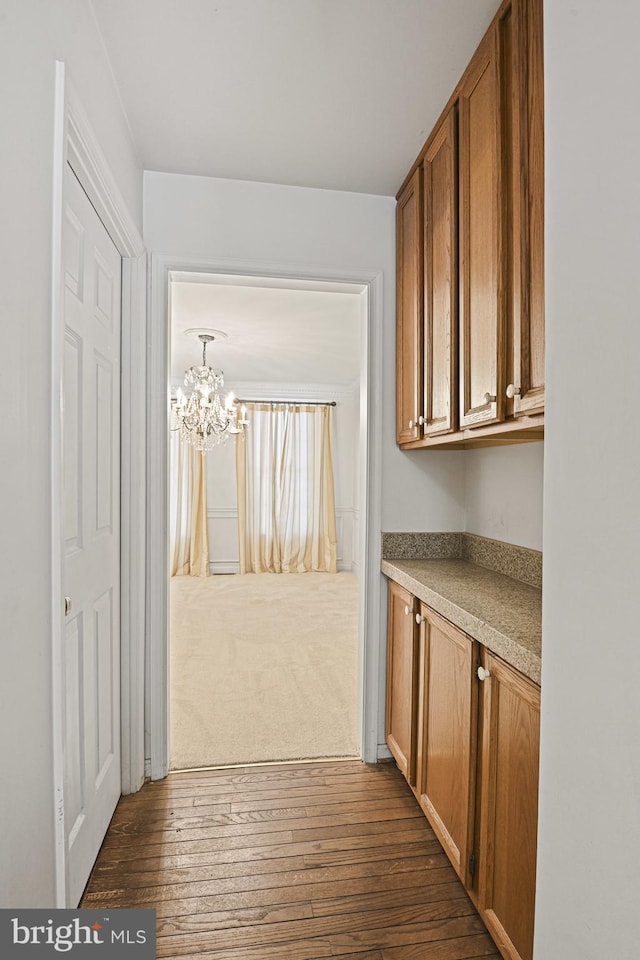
(508, 807)
(464, 728)
(447, 735)
(402, 679)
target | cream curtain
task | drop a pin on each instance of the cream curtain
(188, 534)
(286, 505)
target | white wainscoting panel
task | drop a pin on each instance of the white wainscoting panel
(356, 559)
(223, 539)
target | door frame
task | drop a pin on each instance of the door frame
(158, 337)
(75, 143)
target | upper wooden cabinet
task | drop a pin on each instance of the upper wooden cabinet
(440, 218)
(523, 31)
(482, 249)
(471, 306)
(409, 309)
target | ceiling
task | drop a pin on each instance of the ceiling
(307, 335)
(338, 94)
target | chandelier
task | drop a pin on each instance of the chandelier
(204, 417)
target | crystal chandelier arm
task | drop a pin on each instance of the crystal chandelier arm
(206, 417)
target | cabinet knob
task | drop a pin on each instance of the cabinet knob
(419, 618)
(412, 424)
(67, 606)
(407, 610)
(490, 397)
(483, 674)
(513, 391)
(421, 420)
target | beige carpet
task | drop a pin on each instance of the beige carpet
(263, 667)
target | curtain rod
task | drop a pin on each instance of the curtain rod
(296, 403)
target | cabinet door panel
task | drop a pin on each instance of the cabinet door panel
(441, 280)
(401, 716)
(409, 310)
(482, 307)
(448, 734)
(509, 807)
(527, 189)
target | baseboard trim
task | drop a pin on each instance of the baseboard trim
(224, 566)
(270, 763)
(232, 566)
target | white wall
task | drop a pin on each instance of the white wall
(32, 36)
(589, 832)
(503, 493)
(202, 218)
(205, 218)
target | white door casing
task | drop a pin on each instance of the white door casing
(91, 268)
(371, 621)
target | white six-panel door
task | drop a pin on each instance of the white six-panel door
(91, 532)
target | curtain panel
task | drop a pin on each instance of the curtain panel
(188, 531)
(286, 501)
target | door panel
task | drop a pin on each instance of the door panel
(509, 807)
(104, 401)
(527, 188)
(440, 280)
(104, 662)
(74, 754)
(91, 532)
(409, 310)
(482, 307)
(448, 734)
(401, 715)
(72, 443)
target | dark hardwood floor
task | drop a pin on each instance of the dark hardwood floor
(290, 862)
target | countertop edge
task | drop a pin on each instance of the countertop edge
(514, 653)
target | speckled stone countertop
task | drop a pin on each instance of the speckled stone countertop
(500, 612)
(522, 563)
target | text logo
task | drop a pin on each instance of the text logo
(29, 934)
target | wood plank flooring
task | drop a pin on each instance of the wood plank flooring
(290, 862)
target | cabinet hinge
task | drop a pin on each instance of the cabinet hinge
(472, 865)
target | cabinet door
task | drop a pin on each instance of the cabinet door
(482, 253)
(441, 280)
(509, 807)
(447, 736)
(526, 173)
(402, 679)
(409, 309)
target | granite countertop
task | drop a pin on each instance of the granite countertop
(500, 612)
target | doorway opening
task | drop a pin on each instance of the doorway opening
(267, 665)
